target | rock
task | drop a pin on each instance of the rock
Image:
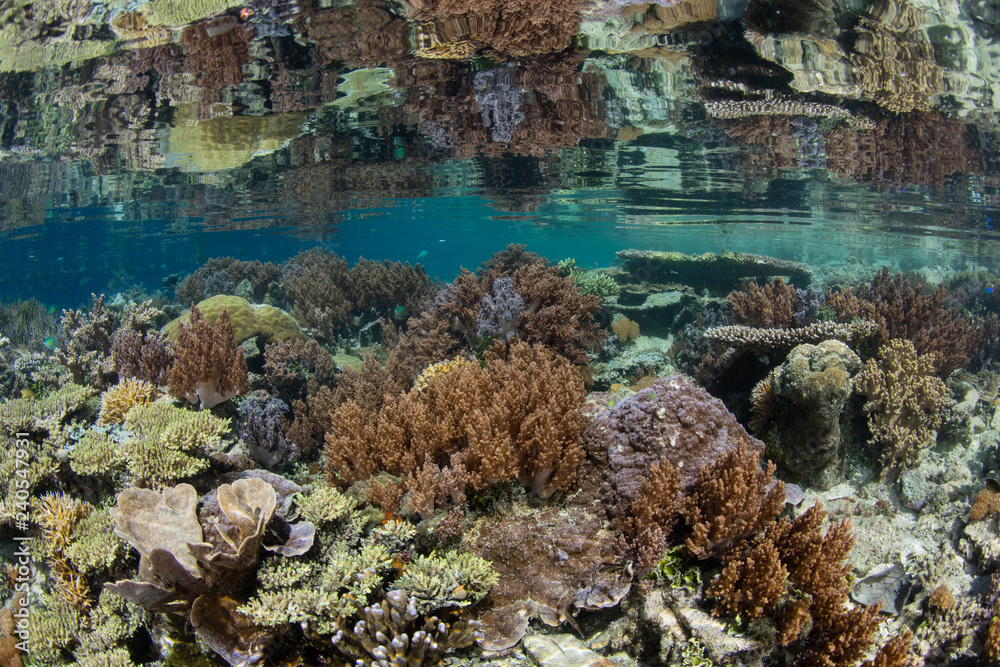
(562, 651)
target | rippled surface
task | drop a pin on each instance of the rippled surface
(820, 131)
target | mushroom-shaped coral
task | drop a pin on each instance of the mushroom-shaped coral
(209, 367)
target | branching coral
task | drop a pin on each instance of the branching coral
(88, 353)
(555, 314)
(904, 402)
(903, 309)
(209, 367)
(117, 401)
(470, 427)
(733, 498)
(766, 341)
(769, 306)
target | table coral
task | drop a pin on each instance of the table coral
(208, 367)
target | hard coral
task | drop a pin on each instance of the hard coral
(117, 401)
(208, 367)
(247, 320)
(672, 419)
(904, 402)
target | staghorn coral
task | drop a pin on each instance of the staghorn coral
(118, 400)
(471, 427)
(208, 367)
(752, 585)
(904, 403)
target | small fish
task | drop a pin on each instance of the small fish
(246, 13)
(988, 290)
(399, 312)
(423, 253)
(52, 310)
(27, 393)
(50, 343)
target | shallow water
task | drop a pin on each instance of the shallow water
(255, 138)
(140, 140)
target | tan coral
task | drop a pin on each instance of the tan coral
(118, 400)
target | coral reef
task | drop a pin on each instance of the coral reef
(118, 400)
(904, 403)
(731, 499)
(806, 396)
(903, 309)
(471, 427)
(221, 275)
(767, 341)
(88, 352)
(246, 320)
(557, 315)
(720, 271)
(673, 420)
(208, 367)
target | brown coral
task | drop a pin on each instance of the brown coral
(518, 416)
(209, 367)
(903, 308)
(768, 306)
(733, 498)
(904, 402)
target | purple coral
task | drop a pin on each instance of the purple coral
(672, 419)
(264, 429)
(499, 310)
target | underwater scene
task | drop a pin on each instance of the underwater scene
(509, 333)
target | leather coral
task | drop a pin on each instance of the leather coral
(209, 367)
(469, 427)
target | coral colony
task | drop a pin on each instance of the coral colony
(344, 487)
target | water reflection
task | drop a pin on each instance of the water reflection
(291, 113)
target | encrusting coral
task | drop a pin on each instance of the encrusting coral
(904, 402)
(209, 367)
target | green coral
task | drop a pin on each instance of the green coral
(55, 625)
(95, 455)
(24, 465)
(597, 283)
(447, 580)
(93, 544)
(170, 443)
(319, 593)
(324, 505)
(31, 414)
